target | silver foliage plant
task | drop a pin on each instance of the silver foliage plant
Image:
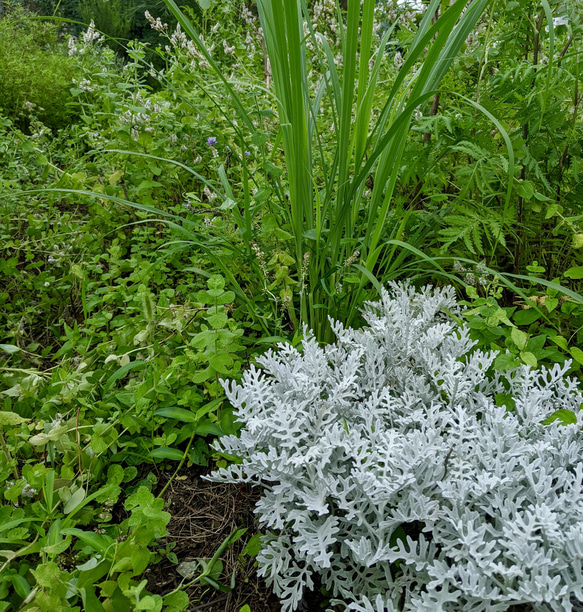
(389, 470)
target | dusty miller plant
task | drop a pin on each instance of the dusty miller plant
(404, 475)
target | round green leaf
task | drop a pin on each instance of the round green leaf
(216, 282)
(218, 320)
(576, 272)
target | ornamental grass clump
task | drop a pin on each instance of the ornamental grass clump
(406, 474)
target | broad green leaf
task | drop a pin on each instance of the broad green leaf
(59, 547)
(577, 354)
(216, 281)
(176, 602)
(208, 427)
(9, 348)
(576, 273)
(115, 474)
(167, 453)
(564, 416)
(121, 372)
(47, 574)
(221, 362)
(99, 543)
(528, 358)
(526, 316)
(560, 341)
(525, 189)
(519, 338)
(20, 585)
(551, 304)
(253, 546)
(75, 499)
(505, 361)
(180, 414)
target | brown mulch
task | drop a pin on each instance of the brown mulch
(204, 514)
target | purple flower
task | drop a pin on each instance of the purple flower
(247, 153)
(211, 141)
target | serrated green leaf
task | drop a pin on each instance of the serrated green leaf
(11, 418)
(47, 574)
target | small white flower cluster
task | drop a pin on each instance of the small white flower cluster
(72, 45)
(179, 38)
(398, 60)
(156, 24)
(56, 421)
(27, 492)
(39, 130)
(140, 121)
(247, 16)
(59, 251)
(208, 194)
(85, 85)
(481, 276)
(228, 50)
(91, 35)
(31, 107)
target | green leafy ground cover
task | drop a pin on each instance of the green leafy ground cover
(160, 226)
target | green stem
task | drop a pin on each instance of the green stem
(179, 466)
